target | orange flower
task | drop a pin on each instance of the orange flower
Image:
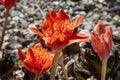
(101, 39)
(8, 3)
(37, 59)
(58, 30)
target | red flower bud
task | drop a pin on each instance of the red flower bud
(101, 39)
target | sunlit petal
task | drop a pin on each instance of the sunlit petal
(78, 21)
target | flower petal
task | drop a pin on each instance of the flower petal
(63, 15)
(53, 14)
(30, 55)
(35, 30)
(21, 54)
(108, 40)
(82, 36)
(78, 21)
(48, 23)
(29, 65)
(38, 46)
(95, 38)
(47, 65)
(99, 27)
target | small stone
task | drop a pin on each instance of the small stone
(15, 45)
(16, 30)
(100, 6)
(31, 11)
(56, 2)
(23, 23)
(5, 44)
(16, 18)
(82, 13)
(21, 15)
(16, 38)
(101, 1)
(7, 37)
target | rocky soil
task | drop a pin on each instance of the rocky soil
(28, 13)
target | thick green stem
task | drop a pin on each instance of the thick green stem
(54, 65)
(103, 71)
(4, 28)
(37, 77)
(64, 71)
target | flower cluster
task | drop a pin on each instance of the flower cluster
(58, 31)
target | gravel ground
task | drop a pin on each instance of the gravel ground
(28, 13)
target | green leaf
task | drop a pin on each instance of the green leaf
(96, 66)
(19, 62)
(78, 75)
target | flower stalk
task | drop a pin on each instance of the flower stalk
(103, 71)
(54, 65)
(64, 71)
(4, 28)
(37, 77)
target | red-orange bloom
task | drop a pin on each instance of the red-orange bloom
(8, 3)
(58, 30)
(101, 39)
(37, 59)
